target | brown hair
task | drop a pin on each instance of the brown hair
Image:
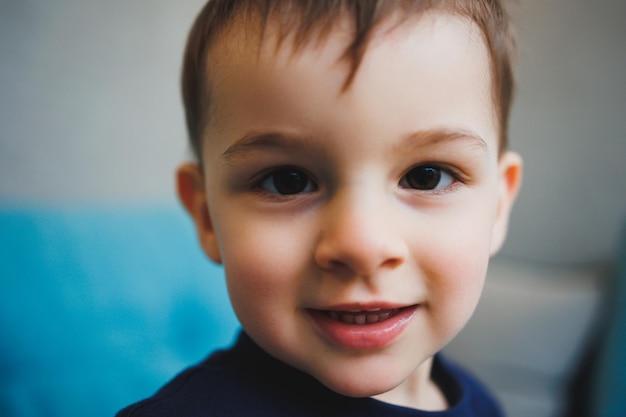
(304, 17)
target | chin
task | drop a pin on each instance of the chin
(359, 390)
(358, 385)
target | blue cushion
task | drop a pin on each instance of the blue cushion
(610, 379)
(99, 307)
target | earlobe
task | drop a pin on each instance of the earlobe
(192, 194)
(510, 169)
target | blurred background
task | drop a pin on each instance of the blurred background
(104, 294)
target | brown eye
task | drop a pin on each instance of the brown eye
(287, 181)
(426, 178)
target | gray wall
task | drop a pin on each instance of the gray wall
(90, 112)
(89, 102)
(568, 123)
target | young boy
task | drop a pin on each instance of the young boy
(353, 179)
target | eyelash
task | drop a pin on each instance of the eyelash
(433, 172)
(301, 181)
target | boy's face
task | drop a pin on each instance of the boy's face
(378, 205)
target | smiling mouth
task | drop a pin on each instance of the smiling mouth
(365, 328)
(361, 317)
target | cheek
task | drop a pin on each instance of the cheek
(456, 268)
(262, 264)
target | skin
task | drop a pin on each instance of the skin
(357, 231)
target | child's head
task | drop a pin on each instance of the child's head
(354, 179)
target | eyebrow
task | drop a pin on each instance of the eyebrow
(419, 139)
(432, 137)
(255, 141)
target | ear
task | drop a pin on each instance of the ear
(192, 194)
(510, 181)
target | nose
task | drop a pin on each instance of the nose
(360, 236)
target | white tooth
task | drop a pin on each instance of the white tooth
(384, 316)
(360, 319)
(348, 318)
(372, 318)
(334, 315)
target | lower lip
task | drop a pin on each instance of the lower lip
(363, 336)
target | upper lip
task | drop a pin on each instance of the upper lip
(366, 306)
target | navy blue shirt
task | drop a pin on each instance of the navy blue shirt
(246, 381)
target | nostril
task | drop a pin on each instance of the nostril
(361, 269)
(335, 264)
(391, 263)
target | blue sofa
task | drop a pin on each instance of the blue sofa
(100, 306)
(609, 373)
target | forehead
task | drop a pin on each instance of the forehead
(249, 38)
(243, 64)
